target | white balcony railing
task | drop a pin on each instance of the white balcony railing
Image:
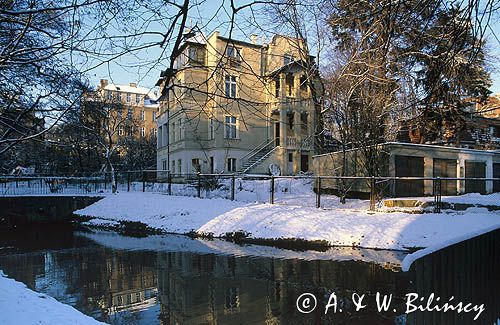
(294, 143)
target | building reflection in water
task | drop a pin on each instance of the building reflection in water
(136, 286)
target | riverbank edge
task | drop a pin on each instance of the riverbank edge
(139, 229)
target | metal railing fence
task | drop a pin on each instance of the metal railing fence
(293, 190)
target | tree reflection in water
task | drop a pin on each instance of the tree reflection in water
(129, 286)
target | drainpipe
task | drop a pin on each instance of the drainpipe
(168, 131)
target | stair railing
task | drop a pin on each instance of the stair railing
(257, 149)
(258, 161)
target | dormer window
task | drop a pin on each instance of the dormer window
(287, 59)
(234, 55)
(196, 55)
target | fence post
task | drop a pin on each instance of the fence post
(143, 181)
(169, 181)
(199, 184)
(128, 181)
(232, 187)
(318, 192)
(105, 181)
(372, 193)
(437, 194)
(271, 198)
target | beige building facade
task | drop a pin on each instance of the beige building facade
(138, 104)
(234, 106)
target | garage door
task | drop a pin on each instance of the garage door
(446, 168)
(409, 166)
(475, 169)
(496, 174)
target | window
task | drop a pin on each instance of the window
(154, 116)
(289, 80)
(179, 166)
(173, 131)
(137, 98)
(154, 131)
(234, 55)
(290, 117)
(142, 115)
(277, 87)
(129, 114)
(303, 84)
(130, 131)
(109, 95)
(120, 131)
(192, 54)
(230, 86)
(230, 128)
(290, 157)
(211, 129)
(128, 97)
(287, 59)
(231, 164)
(119, 112)
(164, 164)
(119, 96)
(303, 120)
(195, 162)
(179, 130)
(143, 131)
(173, 166)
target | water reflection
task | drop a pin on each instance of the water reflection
(184, 281)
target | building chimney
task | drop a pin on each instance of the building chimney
(104, 83)
(133, 84)
(253, 38)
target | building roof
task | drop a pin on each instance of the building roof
(133, 89)
(298, 63)
(423, 146)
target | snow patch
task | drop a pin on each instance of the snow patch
(20, 305)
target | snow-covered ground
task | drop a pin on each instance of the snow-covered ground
(20, 305)
(342, 227)
(470, 198)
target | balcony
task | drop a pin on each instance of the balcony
(294, 143)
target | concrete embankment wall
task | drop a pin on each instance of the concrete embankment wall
(22, 210)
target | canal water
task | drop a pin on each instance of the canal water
(178, 280)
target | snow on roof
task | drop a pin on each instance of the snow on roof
(133, 89)
(198, 38)
(420, 145)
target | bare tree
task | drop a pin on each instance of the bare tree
(109, 126)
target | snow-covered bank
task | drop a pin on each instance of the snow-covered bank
(342, 227)
(20, 305)
(469, 198)
(177, 243)
(410, 258)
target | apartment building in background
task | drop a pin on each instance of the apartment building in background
(139, 104)
(237, 106)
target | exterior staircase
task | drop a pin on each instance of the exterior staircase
(257, 155)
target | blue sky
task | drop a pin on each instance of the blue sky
(140, 68)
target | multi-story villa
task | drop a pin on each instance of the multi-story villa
(235, 106)
(137, 103)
